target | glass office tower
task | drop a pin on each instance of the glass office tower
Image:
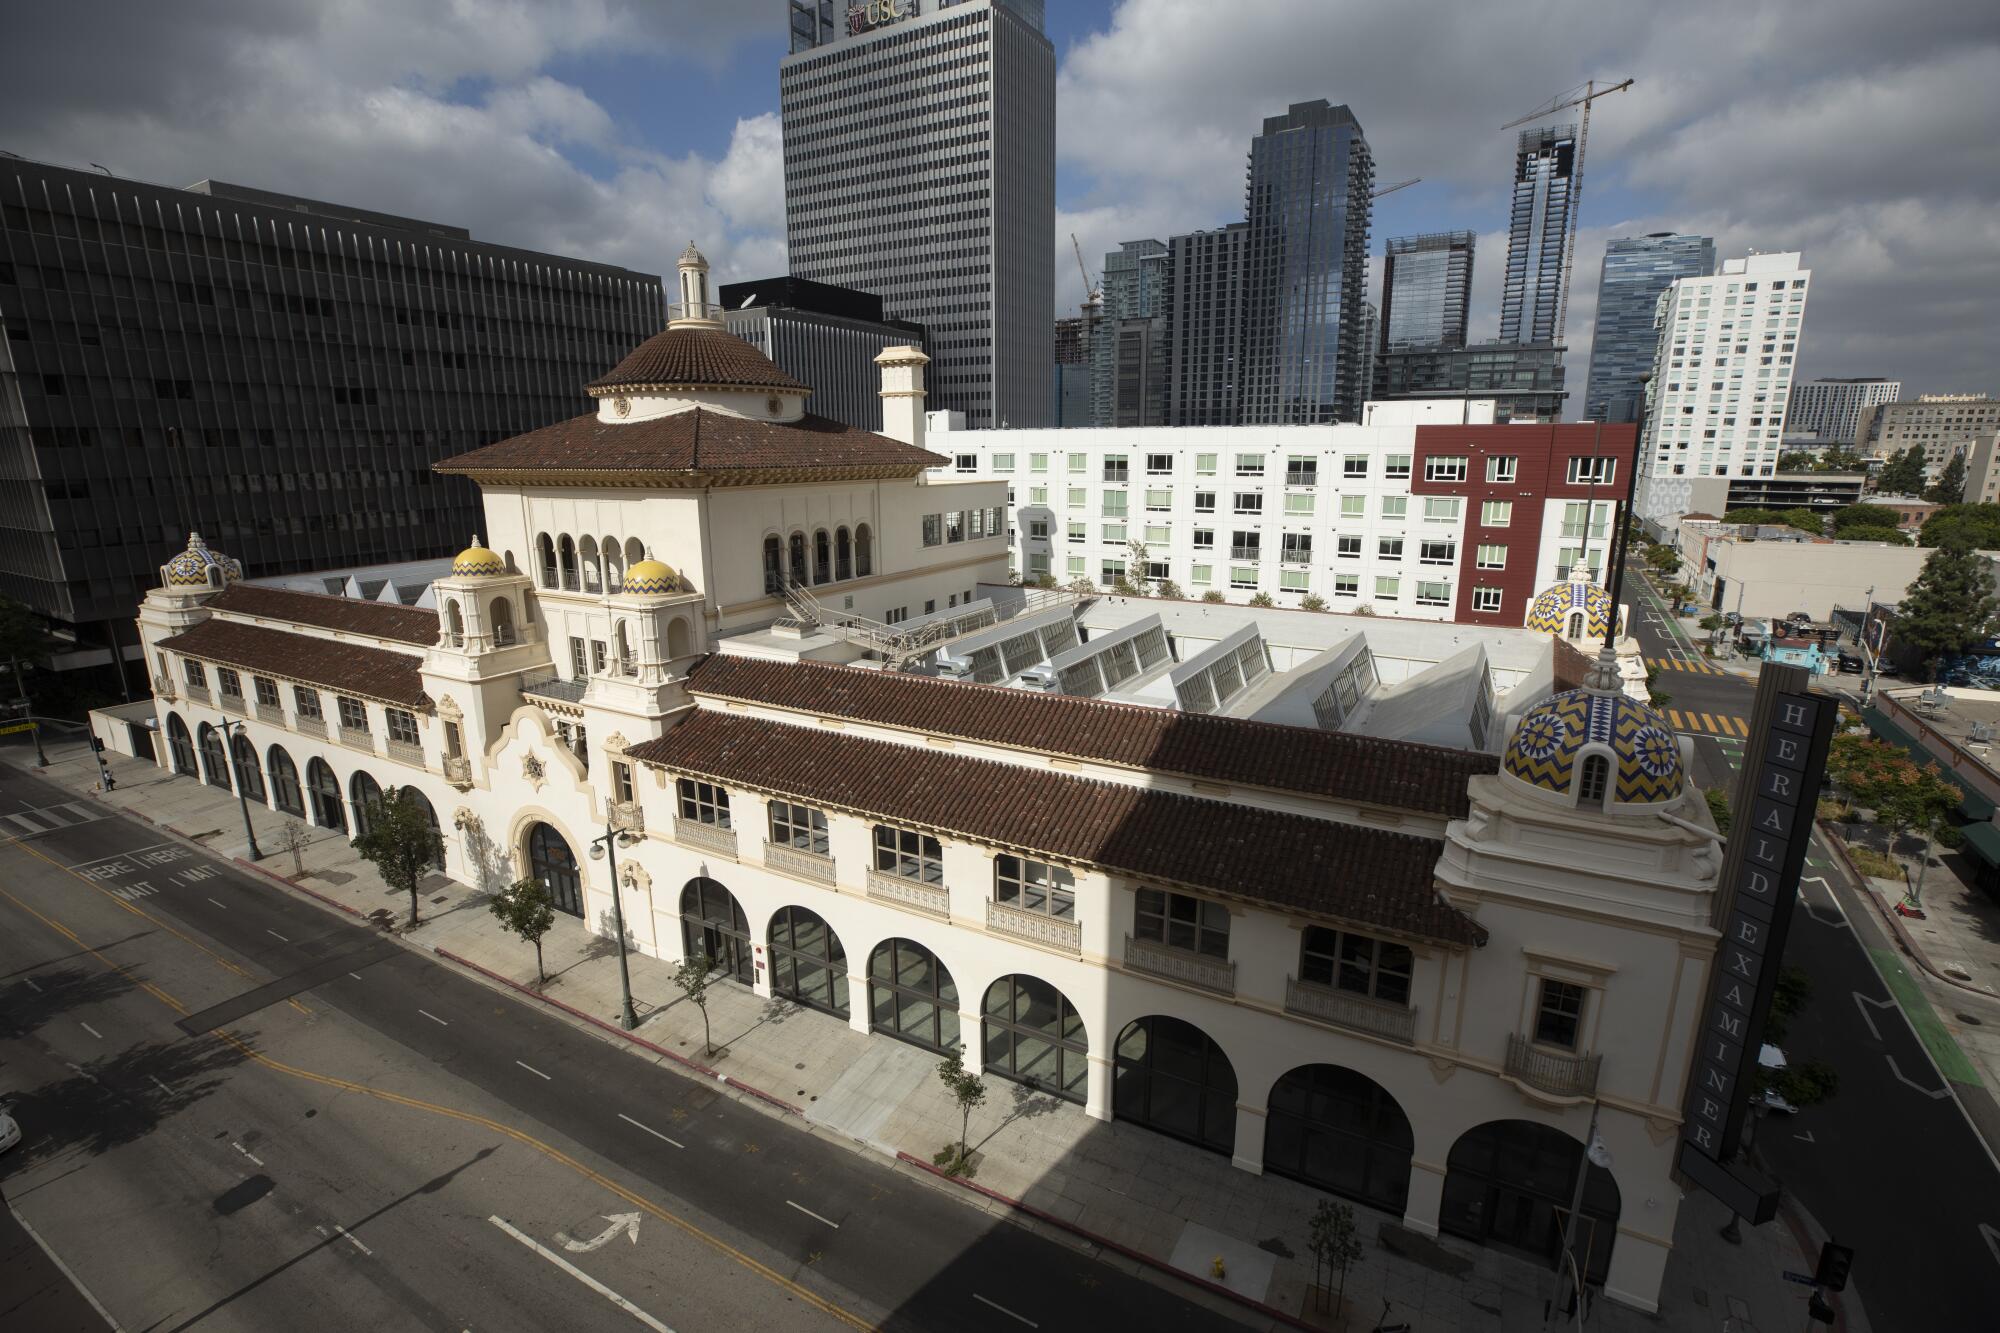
(920, 164)
(277, 372)
(1306, 261)
(1636, 270)
(1426, 290)
(1537, 232)
(1204, 316)
(1133, 289)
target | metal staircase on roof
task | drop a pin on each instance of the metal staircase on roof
(899, 646)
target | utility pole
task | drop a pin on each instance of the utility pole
(242, 797)
(606, 846)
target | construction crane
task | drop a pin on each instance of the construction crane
(1399, 185)
(1091, 295)
(1563, 101)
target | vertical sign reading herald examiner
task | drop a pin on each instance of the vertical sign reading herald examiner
(1775, 802)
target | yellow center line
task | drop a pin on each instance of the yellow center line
(549, 1151)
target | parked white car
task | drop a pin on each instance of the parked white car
(1772, 1059)
(10, 1130)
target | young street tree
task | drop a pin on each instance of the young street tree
(1949, 607)
(969, 1091)
(525, 909)
(692, 978)
(1335, 1243)
(1906, 797)
(401, 842)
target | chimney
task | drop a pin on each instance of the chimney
(903, 393)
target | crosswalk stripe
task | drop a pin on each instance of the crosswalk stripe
(84, 814)
(1709, 722)
(28, 824)
(1674, 716)
(1742, 727)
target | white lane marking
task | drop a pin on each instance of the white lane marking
(1004, 1310)
(161, 1086)
(274, 934)
(1936, 1094)
(354, 1240)
(223, 906)
(1862, 1002)
(650, 1130)
(581, 1276)
(21, 821)
(531, 1069)
(425, 1012)
(92, 1031)
(625, 1222)
(31, 985)
(246, 1152)
(815, 1216)
(1807, 1136)
(67, 1272)
(355, 975)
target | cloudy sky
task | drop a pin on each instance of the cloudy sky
(1860, 133)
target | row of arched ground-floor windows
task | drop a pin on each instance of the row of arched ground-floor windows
(276, 781)
(1507, 1182)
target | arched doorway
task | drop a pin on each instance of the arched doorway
(1509, 1182)
(911, 995)
(1342, 1131)
(553, 865)
(285, 793)
(215, 768)
(712, 922)
(324, 788)
(1171, 1077)
(411, 795)
(249, 778)
(1031, 1034)
(808, 963)
(365, 793)
(182, 746)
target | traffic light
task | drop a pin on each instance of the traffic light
(1834, 1263)
(1818, 1310)
(97, 744)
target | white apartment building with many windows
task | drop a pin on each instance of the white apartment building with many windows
(1722, 374)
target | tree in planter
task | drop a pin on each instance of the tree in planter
(1335, 1243)
(1949, 488)
(1212, 595)
(1261, 599)
(525, 909)
(401, 842)
(692, 977)
(969, 1091)
(1949, 607)
(1167, 588)
(1312, 601)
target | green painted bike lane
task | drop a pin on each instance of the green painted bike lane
(1951, 1061)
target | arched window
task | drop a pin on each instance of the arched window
(454, 623)
(249, 778)
(622, 639)
(182, 746)
(1032, 1035)
(774, 565)
(411, 796)
(1342, 1131)
(678, 639)
(1576, 624)
(1594, 781)
(366, 795)
(1509, 1183)
(1171, 1077)
(911, 996)
(808, 963)
(215, 767)
(547, 548)
(843, 554)
(635, 551)
(822, 557)
(864, 552)
(713, 925)
(324, 788)
(798, 552)
(614, 565)
(588, 554)
(551, 862)
(502, 615)
(566, 562)
(285, 793)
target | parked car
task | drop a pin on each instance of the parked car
(10, 1129)
(1772, 1059)
(1851, 664)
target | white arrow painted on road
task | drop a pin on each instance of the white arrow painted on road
(1936, 1094)
(1862, 1002)
(626, 1222)
(1807, 1136)
(1992, 1240)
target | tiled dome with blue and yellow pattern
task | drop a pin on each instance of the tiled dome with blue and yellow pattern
(476, 560)
(190, 569)
(1551, 610)
(650, 578)
(1545, 749)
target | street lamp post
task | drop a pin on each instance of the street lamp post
(242, 797)
(607, 844)
(1569, 1270)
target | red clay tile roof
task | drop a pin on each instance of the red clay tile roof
(349, 668)
(697, 440)
(1332, 764)
(696, 357)
(1364, 876)
(1570, 665)
(404, 624)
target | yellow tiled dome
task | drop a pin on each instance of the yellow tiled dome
(475, 560)
(649, 577)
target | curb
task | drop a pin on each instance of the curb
(1895, 923)
(617, 1031)
(1270, 1312)
(314, 894)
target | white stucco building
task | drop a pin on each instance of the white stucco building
(1234, 888)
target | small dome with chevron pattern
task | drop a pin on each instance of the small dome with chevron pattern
(1577, 609)
(199, 567)
(1551, 747)
(650, 578)
(476, 560)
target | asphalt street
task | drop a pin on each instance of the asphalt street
(1890, 1165)
(241, 1111)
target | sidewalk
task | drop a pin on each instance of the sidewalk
(1093, 1182)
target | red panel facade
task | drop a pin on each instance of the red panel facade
(1541, 474)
